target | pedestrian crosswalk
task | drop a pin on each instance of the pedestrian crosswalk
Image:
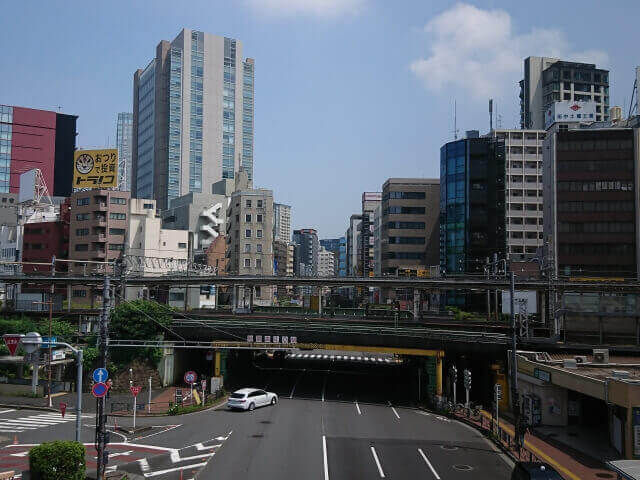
(33, 422)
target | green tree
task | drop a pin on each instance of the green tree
(138, 320)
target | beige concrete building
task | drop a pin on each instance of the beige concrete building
(250, 235)
(410, 224)
(283, 257)
(594, 396)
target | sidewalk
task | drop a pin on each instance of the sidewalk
(536, 449)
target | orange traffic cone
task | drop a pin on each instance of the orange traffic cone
(15, 439)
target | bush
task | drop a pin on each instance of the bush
(57, 461)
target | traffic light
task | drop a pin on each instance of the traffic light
(467, 379)
(454, 373)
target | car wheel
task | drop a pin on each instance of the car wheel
(274, 400)
(252, 406)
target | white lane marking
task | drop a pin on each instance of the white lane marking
(7, 411)
(324, 457)
(394, 410)
(375, 457)
(324, 387)
(169, 470)
(144, 465)
(294, 386)
(157, 433)
(358, 408)
(420, 412)
(433, 470)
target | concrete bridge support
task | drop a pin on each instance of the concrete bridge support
(417, 294)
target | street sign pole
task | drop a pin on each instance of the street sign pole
(149, 407)
(104, 335)
(135, 405)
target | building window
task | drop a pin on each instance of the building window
(117, 216)
(82, 201)
(259, 248)
(118, 201)
(81, 232)
(79, 293)
(116, 231)
(82, 216)
(248, 204)
(258, 233)
(247, 262)
(259, 218)
(176, 296)
(82, 247)
(247, 218)
(116, 246)
(182, 245)
(148, 206)
(247, 233)
(259, 203)
(258, 263)
(404, 196)
(247, 248)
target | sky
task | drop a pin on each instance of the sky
(347, 92)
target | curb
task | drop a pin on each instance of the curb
(28, 407)
(151, 415)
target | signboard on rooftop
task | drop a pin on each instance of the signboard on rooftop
(95, 168)
(570, 112)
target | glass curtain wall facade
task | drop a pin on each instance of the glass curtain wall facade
(247, 117)
(6, 119)
(123, 142)
(472, 208)
(146, 135)
(195, 136)
(175, 123)
(229, 109)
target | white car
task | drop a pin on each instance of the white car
(250, 398)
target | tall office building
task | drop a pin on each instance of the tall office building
(370, 201)
(37, 139)
(548, 80)
(305, 253)
(123, 142)
(192, 117)
(523, 196)
(472, 204)
(410, 224)
(282, 222)
(591, 200)
(354, 248)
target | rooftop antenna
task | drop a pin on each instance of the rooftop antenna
(58, 107)
(455, 120)
(491, 115)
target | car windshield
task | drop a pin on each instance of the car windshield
(237, 395)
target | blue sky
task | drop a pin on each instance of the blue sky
(348, 92)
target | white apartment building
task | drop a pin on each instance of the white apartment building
(523, 163)
(282, 222)
(153, 250)
(326, 263)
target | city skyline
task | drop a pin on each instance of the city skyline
(358, 109)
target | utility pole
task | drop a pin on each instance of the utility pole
(515, 400)
(102, 347)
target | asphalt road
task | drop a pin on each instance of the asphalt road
(330, 423)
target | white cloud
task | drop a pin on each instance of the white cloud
(478, 51)
(319, 8)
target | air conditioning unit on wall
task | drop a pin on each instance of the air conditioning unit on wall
(601, 356)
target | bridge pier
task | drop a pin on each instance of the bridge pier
(320, 301)
(416, 304)
(438, 376)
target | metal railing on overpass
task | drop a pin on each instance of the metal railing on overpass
(449, 283)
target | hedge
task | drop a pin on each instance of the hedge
(57, 461)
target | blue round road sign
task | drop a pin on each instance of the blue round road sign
(99, 389)
(100, 375)
(190, 377)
